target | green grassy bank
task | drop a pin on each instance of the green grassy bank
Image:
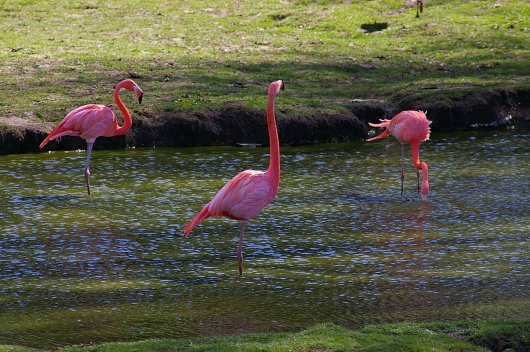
(459, 336)
(193, 55)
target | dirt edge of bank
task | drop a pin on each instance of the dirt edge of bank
(236, 124)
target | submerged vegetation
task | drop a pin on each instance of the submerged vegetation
(188, 55)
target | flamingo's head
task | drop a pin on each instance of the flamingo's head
(275, 87)
(131, 86)
(424, 189)
(138, 92)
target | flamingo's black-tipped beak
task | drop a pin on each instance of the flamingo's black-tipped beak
(140, 98)
(283, 86)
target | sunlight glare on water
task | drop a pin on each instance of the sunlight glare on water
(339, 241)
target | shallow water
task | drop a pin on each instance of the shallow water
(339, 244)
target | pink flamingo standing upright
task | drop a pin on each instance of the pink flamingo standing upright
(410, 127)
(92, 121)
(245, 195)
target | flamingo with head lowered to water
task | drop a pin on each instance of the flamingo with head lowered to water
(411, 127)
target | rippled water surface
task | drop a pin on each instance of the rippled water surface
(339, 244)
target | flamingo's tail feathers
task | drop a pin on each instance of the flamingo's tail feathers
(384, 123)
(44, 142)
(203, 214)
(57, 132)
(384, 134)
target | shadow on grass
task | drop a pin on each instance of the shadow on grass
(374, 27)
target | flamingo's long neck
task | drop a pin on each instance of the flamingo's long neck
(424, 179)
(415, 148)
(274, 164)
(127, 118)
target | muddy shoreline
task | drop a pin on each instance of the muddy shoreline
(236, 124)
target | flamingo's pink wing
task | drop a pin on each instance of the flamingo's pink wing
(244, 196)
(87, 121)
(409, 126)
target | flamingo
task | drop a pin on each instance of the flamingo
(419, 5)
(92, 121)
(247, 193)
(410, 127)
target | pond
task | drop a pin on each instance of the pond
(339, 244)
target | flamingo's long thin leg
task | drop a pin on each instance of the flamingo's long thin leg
(402, 166)
(242, 225)
(87, 169)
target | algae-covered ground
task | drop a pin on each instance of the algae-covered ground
(192, 55)
(457, 336)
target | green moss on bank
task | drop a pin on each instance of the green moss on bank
(456, 336)
(194, 56)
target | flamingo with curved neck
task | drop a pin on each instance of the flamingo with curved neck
(410, 127)
(247, 193)
(92, 121)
